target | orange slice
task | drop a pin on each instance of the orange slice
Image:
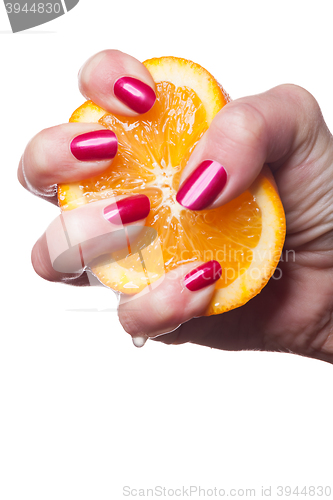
(246, 236)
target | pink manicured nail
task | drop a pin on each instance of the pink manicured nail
(128, 210)
(203, 186)
(94, 146)
(135, 94)
(202, 276)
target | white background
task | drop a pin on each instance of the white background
(82, 411)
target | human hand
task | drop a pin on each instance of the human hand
(283, 128)
(77, 237)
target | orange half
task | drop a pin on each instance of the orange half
(246, 235)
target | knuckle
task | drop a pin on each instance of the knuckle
(155, 312)
(165, 308)
(38, 157)
(35, 145)
(241, 122)
(34, 156)
(115, 65)
(129, 320)
(308, 113)
(302, 96)
(42, 265)
(39, 264)
(100, 67)
(308, 108)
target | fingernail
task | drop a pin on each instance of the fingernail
(137, 95)
(94, 146)
(128, 210)
(203, 276)
(203, 186)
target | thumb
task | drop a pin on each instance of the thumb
(244, 135)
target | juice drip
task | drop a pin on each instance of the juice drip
(139, 341)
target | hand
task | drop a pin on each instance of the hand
(283, 128)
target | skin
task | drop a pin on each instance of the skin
(283, 128)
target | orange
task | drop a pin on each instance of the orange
(246, 235)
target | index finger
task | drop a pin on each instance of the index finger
(118, 83)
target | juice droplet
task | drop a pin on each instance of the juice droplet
(139, 341)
